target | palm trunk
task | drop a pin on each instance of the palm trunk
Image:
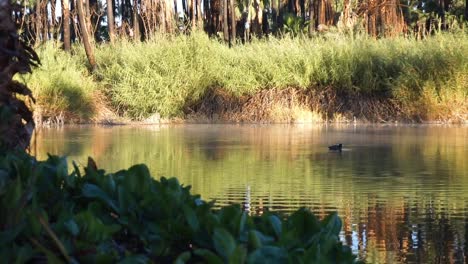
(45, 21)
(225, 21)
(233, 22)
(37, 22)
(85, 35)
(74, 34)
(199, 13)
(110, 20)
(53, 23)
(136, 21)
(311, 18)
(66, 25)
(194, 12)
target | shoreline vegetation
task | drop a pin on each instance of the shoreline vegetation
(194, 78)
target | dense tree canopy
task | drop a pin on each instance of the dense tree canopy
(232, 20)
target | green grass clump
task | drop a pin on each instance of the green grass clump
(62, 85)
(168, 73)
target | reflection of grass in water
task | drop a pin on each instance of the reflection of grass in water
(273, 155)
(221, 161)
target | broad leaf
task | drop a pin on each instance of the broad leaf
(224, 242)
(268, 254)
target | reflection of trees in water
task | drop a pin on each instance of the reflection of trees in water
(402, 232)
(407, 233)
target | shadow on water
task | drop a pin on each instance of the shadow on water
(400, 190)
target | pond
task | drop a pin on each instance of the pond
(401, 190)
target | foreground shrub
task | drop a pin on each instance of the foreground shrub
(49, 214)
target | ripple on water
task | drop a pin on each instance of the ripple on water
(399, 190)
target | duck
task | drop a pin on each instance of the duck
(336, 147)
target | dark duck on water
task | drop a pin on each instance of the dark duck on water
(336, 147)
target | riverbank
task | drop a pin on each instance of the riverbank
(197, 79)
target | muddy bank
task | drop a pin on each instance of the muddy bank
(307, 106)
(282, 106)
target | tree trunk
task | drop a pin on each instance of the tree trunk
(170, 17)
(199, 13)
(303, 10)
(136, 21)
(194, 12)
(311, 18)
(66, 25)
(110, 20)
(45, 21)
(466, 10)
(233, 22)
(225, 21)
(73, 25)
(37, 22)
(85, 35)
(274, 13)
(53, 23)
(16, 57)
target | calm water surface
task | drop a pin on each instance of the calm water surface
(402, 191)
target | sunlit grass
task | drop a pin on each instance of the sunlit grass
(61, 85)
(168, 74)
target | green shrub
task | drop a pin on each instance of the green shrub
(51, 214)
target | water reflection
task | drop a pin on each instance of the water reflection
(400, 190)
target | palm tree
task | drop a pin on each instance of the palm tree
(17, 123)
(110, 20)
(85, 35)
(66, 25)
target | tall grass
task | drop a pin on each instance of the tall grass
(170, 73)
(166, 74)
(62, 85)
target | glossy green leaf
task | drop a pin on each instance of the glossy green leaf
(224, 242)
(191, 218)
(332, 223)
(208, 256)
(276, 225)
(243, 222)
(254, 240)
(93, 191)
(268, 254)
(238, 256)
